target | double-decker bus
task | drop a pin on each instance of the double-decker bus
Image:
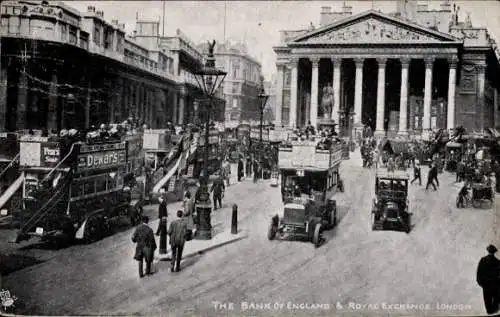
(75, 189)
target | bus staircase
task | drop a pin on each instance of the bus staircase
(175, 168)
(35, 215)
(39, 216)
(10, 199)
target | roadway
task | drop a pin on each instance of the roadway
(355, 270)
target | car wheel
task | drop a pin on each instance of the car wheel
(271, 233)
(91, 232)
(372, 221)
(317, 235)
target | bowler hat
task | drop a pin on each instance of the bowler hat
(491, 249)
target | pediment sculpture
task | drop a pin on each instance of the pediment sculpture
(372, 30)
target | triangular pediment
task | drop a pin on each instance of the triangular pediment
(372, 27)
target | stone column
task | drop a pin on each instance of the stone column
(426, 124)
(450, 112)
(137, 101)
(279, 96)
(313, 114)
(403, 101)
(181, 108)
(87, 105)
(481, 77)
(52, 107)
(117, 116)
(379, 130)
(175, 119)
(358, 92)
(337, 63)
(125, 101)
(3, 97)
(294, 63)
(22, 98)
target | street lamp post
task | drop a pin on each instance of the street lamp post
(262, 106)
(209, 79)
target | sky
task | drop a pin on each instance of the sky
(258, 23)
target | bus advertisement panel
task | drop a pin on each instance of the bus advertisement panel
(102, 157)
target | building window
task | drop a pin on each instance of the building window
(64, 31)
(73, 38)
(84, 41)
(97, 35)
(235, 103)
(119, 44)
(108, 39)
(286, 98)
(14, 24)
(236, 70)
(288, 78)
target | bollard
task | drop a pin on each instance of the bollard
(234, 220)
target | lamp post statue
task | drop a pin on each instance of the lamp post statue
(209, 79)
(262, 106)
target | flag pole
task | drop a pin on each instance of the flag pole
(163, 33)
(225, 13)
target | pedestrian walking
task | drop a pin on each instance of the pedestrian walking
(217, 189)
(488, 277)
(162, 224)
(227, 172)
(255, 171)
(188, 205)
(240, 169)
(417, 175)
(177, 233)
(431, 176)
(145, 246)
(248, 167)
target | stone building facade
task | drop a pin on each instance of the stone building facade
(406, 72)
(242, 83)
(61, 68)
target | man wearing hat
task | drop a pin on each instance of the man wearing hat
(488, 277)
(145, 247)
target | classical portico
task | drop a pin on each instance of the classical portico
(351, 58)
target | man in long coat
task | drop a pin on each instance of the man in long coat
(488, 277)
(177, 233)
(240, 169)
(145, 247)
(217, 189)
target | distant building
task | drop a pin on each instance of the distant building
(242, 83)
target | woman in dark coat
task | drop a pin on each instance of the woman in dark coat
(162, 225)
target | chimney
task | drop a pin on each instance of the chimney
(90, 9)
(446, 6)
(326, 9)
(347, 10)
(421, 7)
(122, 26)
(114, 22)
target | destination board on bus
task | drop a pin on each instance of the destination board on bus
(101, 159)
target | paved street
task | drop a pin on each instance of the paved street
(435, 264)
